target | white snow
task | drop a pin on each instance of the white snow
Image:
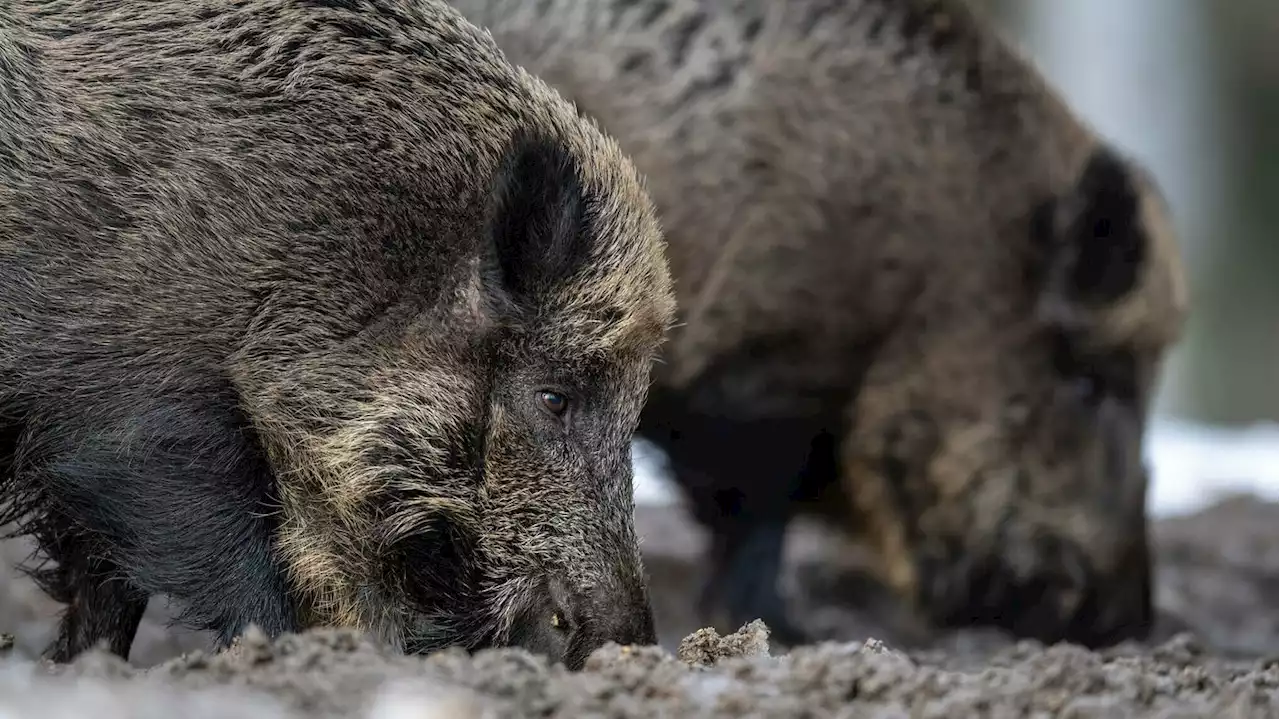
(1191, 464)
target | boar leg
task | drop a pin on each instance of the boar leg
(151, 496)
(103, 608)
(739, 478)
(746, 566)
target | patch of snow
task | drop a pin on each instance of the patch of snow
(1191, 465)
(1194, 464)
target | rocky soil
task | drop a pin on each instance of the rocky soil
(1214, 654)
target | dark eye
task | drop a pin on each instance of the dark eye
(553, 402)
(559, 622)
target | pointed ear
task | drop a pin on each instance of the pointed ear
(1093, 235)
(538, 221)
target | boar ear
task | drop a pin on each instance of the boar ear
(1093, 235)
(537, 219)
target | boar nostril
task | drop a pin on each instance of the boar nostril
(1074, 583)
(1052, 603)
(1057, 596)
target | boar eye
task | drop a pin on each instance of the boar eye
(553, 402)
(559, 622)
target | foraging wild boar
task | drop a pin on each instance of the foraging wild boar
(909, 278)
(318, 313)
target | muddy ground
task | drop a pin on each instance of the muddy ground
(1214, 653)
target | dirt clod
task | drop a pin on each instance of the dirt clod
(707, 647)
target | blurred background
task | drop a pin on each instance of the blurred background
(1189, 88)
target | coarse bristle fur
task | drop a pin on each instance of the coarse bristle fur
(916, 294)
(294, 295)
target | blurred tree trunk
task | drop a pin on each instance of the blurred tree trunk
(1237, 323)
